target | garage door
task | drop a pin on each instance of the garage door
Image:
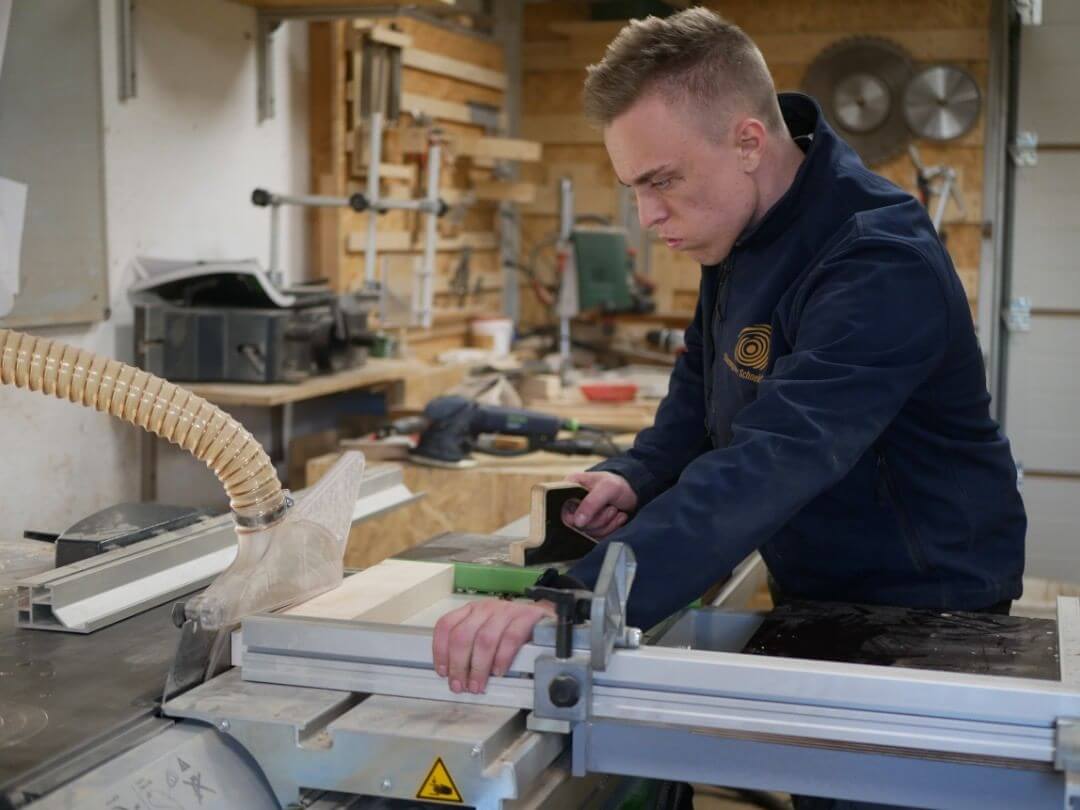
(1042, 350)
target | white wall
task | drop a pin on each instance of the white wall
(180, 162)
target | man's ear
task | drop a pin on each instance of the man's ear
(750, 136)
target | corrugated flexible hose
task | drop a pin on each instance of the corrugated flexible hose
(166, 410)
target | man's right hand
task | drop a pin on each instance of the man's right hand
(481, 638)
(606, 508)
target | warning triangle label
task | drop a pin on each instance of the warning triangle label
(439, 786)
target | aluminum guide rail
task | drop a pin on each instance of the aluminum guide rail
(93, 593)
(979, 716)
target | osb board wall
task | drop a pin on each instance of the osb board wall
(450, 501)
(560, 41)
(339, 146)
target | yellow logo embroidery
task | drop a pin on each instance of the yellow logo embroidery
(752, 348)
(751, 352)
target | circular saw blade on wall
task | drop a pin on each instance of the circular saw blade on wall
(941, 102)
(859, 83)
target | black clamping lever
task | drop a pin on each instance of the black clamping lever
(571, 607)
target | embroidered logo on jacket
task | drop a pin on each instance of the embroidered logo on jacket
(751, 352)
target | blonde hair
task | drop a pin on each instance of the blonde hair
(695, 57)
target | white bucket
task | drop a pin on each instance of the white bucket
(501, 330)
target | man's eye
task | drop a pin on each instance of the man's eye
(662, 184)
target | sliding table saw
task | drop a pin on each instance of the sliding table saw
(334, 703)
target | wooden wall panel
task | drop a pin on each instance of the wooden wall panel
(560, 41)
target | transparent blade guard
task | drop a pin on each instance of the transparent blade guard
(288, 562)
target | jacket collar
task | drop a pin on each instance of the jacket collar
(803, 116)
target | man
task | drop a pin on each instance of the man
(831, 408)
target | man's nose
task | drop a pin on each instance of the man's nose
(651, 210)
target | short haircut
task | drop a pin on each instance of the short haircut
(695, 57)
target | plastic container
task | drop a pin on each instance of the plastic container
(609, 391)
(500, 331)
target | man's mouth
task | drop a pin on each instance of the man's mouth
(672, 243)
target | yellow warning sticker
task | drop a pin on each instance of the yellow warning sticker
(439, 785)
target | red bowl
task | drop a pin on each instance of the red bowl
(609, 391)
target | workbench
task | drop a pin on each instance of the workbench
(478, 499)
(406, 383)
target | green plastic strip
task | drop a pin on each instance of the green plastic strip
(494, 579)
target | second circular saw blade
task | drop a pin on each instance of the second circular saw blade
(859, 83)
(942, 102)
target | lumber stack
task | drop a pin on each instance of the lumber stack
(453, 89)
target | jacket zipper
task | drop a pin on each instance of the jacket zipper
(718, 316)
(887, 491)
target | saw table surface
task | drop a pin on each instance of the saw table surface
(946, 641)
(60, 690)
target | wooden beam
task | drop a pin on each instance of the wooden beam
(414, 140)
(445, 110)
(455, 68)
(392, 171)
(945, 44)
(388, 36)
(385, 242)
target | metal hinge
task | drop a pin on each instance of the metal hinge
(1029, 11)
(1018, 315)
(1024, 151)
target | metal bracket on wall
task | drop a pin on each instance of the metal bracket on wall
(125, 52)
(265, 26)
(1018, 315)
(1024, 150)
(1029, 11)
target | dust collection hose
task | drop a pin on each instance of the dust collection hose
(285, 553)
(164, 409)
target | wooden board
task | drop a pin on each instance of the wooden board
(415, 141)
(477, 49)
(437, 108)
(390, 591)
(446, 88)
(455, 68)
(392, 171)
(376, 372)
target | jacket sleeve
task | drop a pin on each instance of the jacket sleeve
(678, 433)
(871, 328)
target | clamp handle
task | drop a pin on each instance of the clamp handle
(571, 607)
